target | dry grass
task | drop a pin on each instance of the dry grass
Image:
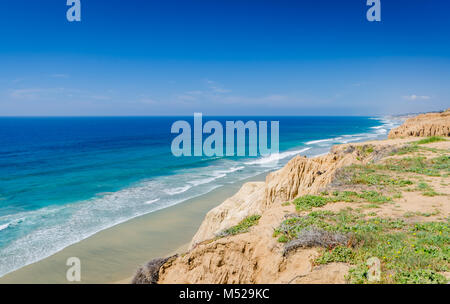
(315, 237)
(149, 273)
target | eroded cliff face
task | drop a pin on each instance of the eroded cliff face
(256, 256)
(247, 201)
(430, 124)
(308, 175)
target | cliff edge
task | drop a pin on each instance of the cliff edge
(429, 124)
(312, 221)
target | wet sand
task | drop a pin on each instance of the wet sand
(112, 255)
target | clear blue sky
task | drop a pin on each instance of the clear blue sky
(153, 57)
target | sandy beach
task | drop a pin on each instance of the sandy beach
(112, 255)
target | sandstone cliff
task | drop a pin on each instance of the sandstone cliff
(256, 256)
(429, 124)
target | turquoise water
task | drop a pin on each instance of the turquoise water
(64, 179)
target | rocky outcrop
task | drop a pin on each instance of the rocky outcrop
(430, 124)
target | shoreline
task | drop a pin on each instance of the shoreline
(53, 268)
(112, 255)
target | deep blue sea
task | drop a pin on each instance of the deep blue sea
(64, 179)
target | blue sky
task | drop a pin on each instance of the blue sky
(223, 57)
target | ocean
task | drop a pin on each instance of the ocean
(64, 179)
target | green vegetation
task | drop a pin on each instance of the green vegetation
(420, 276)
(364, 150)
(368, 175)
(409, 253)
(406, 150)
(337, 254)
(283, 239)
(417, 164)
(425, 214)
(307, 202)
(242, 227)
(415, 146)
(431, 139)
(426, 189)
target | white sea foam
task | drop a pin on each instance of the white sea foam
(51, 229)
(345, 141)
(274, 158)
(177, 190)
(378, 132)
(315, 142)
(231, 170)
(199, 182)
(4, 226)
(214, 176)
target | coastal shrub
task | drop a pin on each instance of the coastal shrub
(430, 139)
(242, 227)
(417, 213)
(426, 189)
(369, 175)
(441, 163)
(420, 276)
(316, 237)
(351, 196)
(364, 150)
(149, 273)
(307, 202)
(435, 227)
(415, 147)
(337, 254)
(411, 148)
(374, 197)
(419, 165)
(283, 239)
(343, 196)
(409, 252)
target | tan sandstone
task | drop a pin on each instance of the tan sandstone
(423, 125)
(256, 256)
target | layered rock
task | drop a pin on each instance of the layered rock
(308, 175)
(430, 124)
